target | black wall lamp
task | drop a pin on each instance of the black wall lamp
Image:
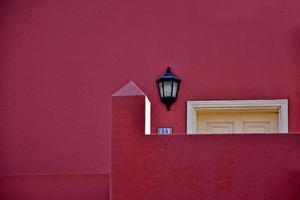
(168, 87)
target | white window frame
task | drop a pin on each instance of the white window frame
(280, 104)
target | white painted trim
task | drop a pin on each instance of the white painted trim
(147, 116)
(281, 104)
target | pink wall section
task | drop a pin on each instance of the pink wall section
(51, 187)
(60, 62)
(211, 167)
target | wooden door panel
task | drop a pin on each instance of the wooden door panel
(257, 127)
(220, 127)
(259, 121)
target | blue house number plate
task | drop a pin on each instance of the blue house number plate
(164, 131)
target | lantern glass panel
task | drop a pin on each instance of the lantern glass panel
(175, 86)
(167, 88)
(161, 91)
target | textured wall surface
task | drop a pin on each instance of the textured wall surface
(210, 167)
(60, 62)
(52, 187)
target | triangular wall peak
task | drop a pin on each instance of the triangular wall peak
(130, 103)
(129, 89)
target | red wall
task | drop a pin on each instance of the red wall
(210, 167)
(60, 62)
(52, 187)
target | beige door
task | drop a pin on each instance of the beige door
(216, 121)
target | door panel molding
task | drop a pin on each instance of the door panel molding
(276, 104)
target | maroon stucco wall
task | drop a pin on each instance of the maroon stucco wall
(211, 167)
(51, 187)
(60, 61)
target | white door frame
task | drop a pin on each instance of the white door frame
(280, 104)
